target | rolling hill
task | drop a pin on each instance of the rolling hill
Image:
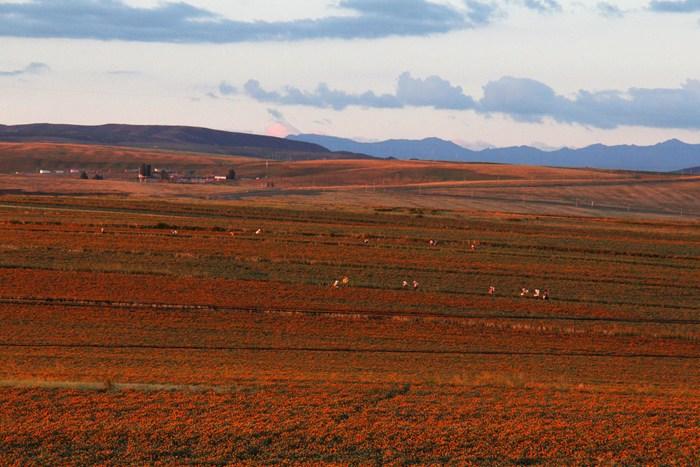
(410, 184)
(668, 156)
(179, 138)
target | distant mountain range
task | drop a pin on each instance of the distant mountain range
(179, 138)
(672, 155)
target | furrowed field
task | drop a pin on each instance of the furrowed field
(144, 331)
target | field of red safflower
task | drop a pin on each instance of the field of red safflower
(142, 331)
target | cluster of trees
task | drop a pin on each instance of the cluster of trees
(84, 176)
(145, 170)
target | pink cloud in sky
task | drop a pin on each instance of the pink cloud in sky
(280, 130)
(280, 127)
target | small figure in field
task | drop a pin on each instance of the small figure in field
(492, 290)
(365, 241)
(472, 245)
(415, 285)
(524, 292)
(336, 283)
(404, 284)
(258, 232)
(433, 243)
(102, 230)
(173, 232)
(345, 280)
(545, 294)
(537, 293)
(232, 234)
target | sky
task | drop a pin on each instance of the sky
(548, 73)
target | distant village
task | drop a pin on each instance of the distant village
(147, 173)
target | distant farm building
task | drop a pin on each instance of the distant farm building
(146, 173)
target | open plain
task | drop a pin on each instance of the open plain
(163, 323)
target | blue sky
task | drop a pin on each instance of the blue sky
(502, 72)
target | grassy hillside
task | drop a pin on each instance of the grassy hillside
(178, 138)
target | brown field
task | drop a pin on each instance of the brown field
(150, 324)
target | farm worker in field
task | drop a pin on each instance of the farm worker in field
(545, 294)
(537, 293)
(258, 232)
(415, 285)
(365, 241)
(492, 290)
(335, 283)
(102, 230)
(346, 280)
(404, 284)
(174, 232)
(524, 292)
